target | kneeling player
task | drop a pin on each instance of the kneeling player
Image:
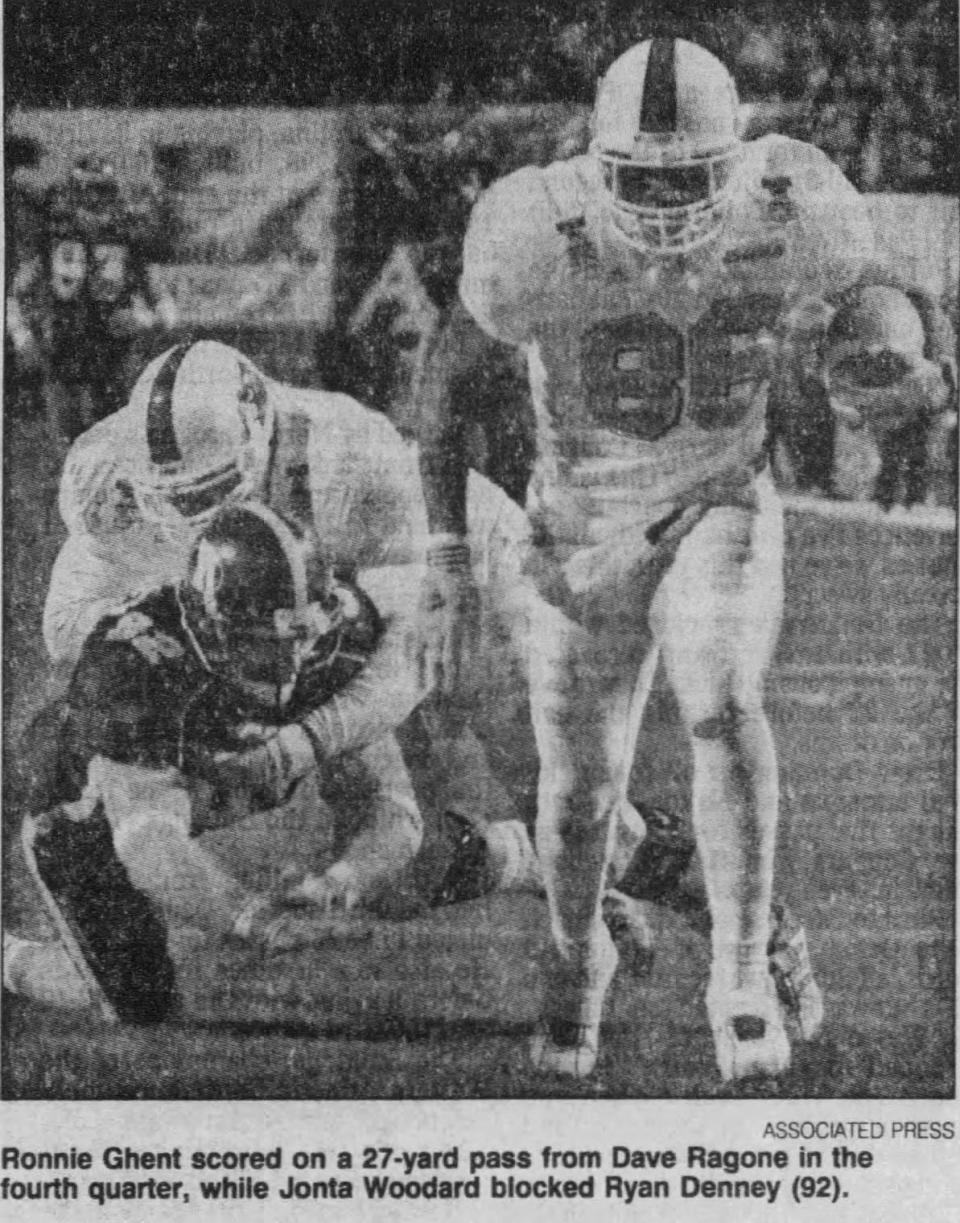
(139, 757)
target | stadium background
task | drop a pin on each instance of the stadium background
(279, 224)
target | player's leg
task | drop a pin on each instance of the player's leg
(379, 829)
(582, 690)
(489, 837)
(717, 617)
(152, 818)
(491, 844)
(110, 930)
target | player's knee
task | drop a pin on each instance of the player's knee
(573, 806)
(735, 719)
(147, 843)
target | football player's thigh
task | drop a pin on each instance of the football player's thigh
(259, 848)
(717, 613)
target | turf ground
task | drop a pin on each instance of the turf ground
(862, 699)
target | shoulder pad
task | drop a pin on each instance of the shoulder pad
(779, 165)
(795, 184)
(511, 248)
(128, 688)
(567, 185)
(93, 494)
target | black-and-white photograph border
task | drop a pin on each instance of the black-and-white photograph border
(480, 581)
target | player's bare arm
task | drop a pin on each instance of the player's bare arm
(449, 603)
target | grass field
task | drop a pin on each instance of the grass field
(862, 698)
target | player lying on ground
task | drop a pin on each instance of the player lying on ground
(645, 282)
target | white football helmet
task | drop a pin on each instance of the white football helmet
(204, 422)
(665, 131)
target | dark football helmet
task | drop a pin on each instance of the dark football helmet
(266, 612)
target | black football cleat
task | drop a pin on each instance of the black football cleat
(661, 859)
(112, 932)
(469, 875)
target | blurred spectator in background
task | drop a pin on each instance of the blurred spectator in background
(23, 240)
(80, 300)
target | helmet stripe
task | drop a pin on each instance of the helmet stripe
(658, 106)
(291, 544)
(162, 443)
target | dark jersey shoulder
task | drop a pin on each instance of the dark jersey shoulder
(341, 653)
(137, 676)
(141, 694)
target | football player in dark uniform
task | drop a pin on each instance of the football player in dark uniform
(123, 773)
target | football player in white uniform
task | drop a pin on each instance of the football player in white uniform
(644, 281)
(203, 428)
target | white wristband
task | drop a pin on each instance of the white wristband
(441, 538)
(243, 924)
(448, 552)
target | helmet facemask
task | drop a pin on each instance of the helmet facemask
(177, 500)
(668, 207)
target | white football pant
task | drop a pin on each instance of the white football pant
(713, 618)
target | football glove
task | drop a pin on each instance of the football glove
(261, 777)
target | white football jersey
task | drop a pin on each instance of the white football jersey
(335, 464)
(650, 374)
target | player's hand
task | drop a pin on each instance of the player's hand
(335, 891)
(449, 616)
(263, 776)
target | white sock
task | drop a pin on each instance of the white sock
(630, 831)
(516, 867)
(42, 972)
